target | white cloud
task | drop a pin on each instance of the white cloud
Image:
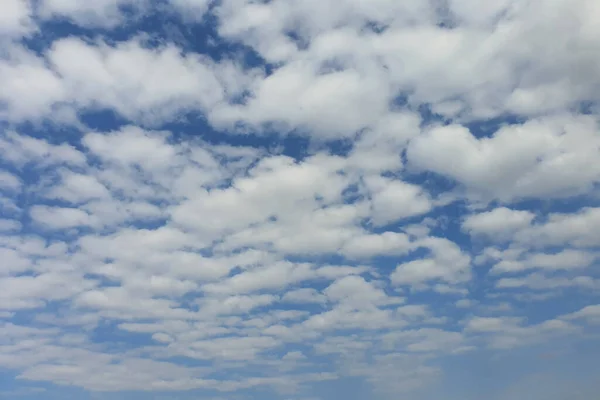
(497, 59)
(426, 340)
(277, 187)
(476, 13)
(538, 281)
(30, 90)
(393, 200)
(77, 188)
(106, 76)
(464, 303)
(296, 96)
(191, 9)
(483, 324)
(566, 259)
(510, 332)
(32, 291)
(99, 13)
(204, 264)
(369, 245)
(590, 313)
(14, 262)
(22, 150)
(9, 182)
(447, 263)
(497, 223)
(380, 147)
(91, 75)
(276, 276)
(15, 19)
(258, 265)
(546, 157)
(236, 304)
(304, 295)
(8, 225)
(354, 291)
(578, 229)
(132, 146)
(56, 218)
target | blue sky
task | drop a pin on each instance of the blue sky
(299, 200)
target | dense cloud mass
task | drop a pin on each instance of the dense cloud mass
(299, 199)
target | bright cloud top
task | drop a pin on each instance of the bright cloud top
(298, 199)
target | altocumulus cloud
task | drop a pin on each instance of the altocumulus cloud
(299, 199)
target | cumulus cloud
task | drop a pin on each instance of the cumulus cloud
(591, 313)
(446, 262)
(498, 222)
(9, 181)
(547, 157)
(293, 194)
(102, 13)
(98, 75)
(16, 19)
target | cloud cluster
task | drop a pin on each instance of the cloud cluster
(322, 191)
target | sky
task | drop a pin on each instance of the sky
(299, 199)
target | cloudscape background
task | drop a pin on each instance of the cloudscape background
(300, 199)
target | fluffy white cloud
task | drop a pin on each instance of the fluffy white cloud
(566, 259)
(370, 245)
(192, 9)
(268, 208)
(304, 295)
(510, 332)
(541, 282)
(15, 19)
(579, 229)
(344, 67)
(61, 217)
(161, 231)
(31, 90)
(591, 313)
(98, 75)
(498, 58)
(7, 225)
(101, 13)
(498, 222)
(297, 97)
(106, 76)
(31, 292)
(23, 150)
(548, 157)
(393, 200)
(77, 188)
(447, 262)
(9, 181)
